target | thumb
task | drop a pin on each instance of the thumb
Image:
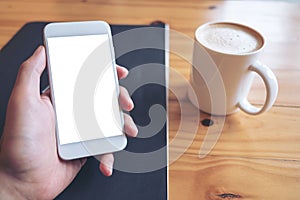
(28, 79)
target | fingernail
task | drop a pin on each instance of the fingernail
(131, 104)
(109, 170)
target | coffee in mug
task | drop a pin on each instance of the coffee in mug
(230, 38)
(224, 64)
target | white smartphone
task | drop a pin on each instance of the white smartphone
(84, 88)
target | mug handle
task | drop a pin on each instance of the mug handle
(271, 85)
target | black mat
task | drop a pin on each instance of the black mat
(146, 49)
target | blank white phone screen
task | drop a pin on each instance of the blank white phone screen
(67, 55)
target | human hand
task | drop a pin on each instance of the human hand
(30, 167)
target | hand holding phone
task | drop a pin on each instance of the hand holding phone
(84, 88)
(28, 143)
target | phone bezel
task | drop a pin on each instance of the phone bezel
(91, 147)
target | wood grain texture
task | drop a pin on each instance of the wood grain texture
(273, 135)
(254, 157)
(218, 178)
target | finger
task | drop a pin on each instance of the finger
(106, 164)
(129, 126)
(122, 72)
(125, 100)
(72, 168)
(28, 79)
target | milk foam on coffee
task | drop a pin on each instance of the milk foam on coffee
(229, 38)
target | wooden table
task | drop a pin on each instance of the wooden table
(255, 157)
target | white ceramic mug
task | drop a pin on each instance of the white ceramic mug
(224, 65)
